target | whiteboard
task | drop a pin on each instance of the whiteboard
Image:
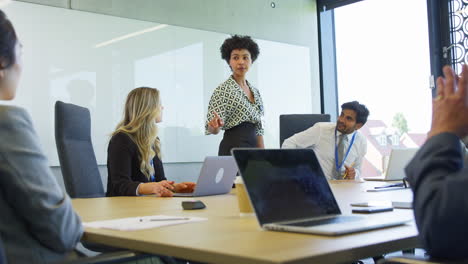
(94, 60)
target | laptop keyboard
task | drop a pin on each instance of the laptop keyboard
(335, 220)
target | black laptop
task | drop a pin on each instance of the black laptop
(289, 192)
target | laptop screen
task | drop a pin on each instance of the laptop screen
(285, 184)
(399, 158)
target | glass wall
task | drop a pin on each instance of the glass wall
(94, 60)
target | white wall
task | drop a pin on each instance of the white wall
(291, 21)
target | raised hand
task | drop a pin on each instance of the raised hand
(450, 107)
(215, 124)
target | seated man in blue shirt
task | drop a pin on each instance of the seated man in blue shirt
(437, 173)
(339, 147)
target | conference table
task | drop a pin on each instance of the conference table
(227, 237)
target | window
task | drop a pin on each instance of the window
(382, 139)
(383, 61)
(458, 33)
(395, 138)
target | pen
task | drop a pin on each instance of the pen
(164, 219)
(346, 172)
(390, 185)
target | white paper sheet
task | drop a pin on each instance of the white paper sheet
(143, 222)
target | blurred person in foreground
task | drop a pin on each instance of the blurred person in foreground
(437, 173)
(38, 223)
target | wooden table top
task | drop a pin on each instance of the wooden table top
(227, 237)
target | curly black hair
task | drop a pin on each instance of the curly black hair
(239, 42)
(8, 41)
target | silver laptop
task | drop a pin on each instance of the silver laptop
(216, 177)
(289, 192)
(397, 162)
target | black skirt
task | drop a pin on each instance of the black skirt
(240, 136)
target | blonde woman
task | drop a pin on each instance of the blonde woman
(134, 154)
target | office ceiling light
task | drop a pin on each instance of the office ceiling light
(131, 35)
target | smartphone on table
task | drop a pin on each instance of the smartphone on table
(372, 209)
(394, 204)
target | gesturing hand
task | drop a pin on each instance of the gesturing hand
(215, 124)
(450, 107)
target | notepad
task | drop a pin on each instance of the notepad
(142, 222)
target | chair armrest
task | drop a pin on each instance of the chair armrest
(113, 257)
(417, 260)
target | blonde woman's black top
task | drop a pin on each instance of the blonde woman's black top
(123, 167)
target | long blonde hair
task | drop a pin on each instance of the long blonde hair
(142, 107)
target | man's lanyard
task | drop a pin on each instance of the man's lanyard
(338, 166)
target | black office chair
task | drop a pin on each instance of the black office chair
(417, 260)
(295, 123)
(75, 150)
(76, 155)
(2, 254)
(80, 170)
(115, 257)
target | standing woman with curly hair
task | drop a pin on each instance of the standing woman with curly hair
(236, 105)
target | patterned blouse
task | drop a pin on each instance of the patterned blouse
(231, 103)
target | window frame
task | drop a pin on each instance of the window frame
(325, 5)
